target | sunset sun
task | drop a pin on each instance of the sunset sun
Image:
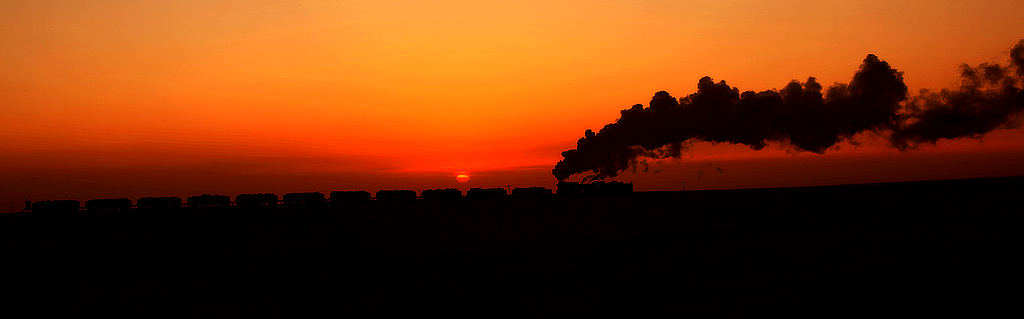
(462, 178)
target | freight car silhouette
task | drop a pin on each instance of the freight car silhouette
(613, 188)
(531, 193)
(256, 200)
(159, 203)
(342, 198)
(442, 194)
(305, 200)
(108, 206)
(209, 201)
(396, 195)
(56, 207)
(486, 194)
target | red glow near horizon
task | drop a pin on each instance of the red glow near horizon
(129, 99)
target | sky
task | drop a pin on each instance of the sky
(111, 98)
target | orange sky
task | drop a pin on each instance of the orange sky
(132, 98)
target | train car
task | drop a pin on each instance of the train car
(168, 202)
(305, 200)
(612, 188)
(401, 195)
(486, 194)
(56, 207)
(339, 198)
(569, 189)
(531, 193)
(442, 194)
(209, 201)
(108, 205)
(256, 200)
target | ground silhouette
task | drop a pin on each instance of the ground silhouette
(915, 248)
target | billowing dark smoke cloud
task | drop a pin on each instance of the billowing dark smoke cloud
(989, 98)
(804, 116)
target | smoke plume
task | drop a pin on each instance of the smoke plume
(804, 116)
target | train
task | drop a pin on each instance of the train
(319, 200)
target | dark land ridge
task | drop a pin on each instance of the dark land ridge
(910, 248)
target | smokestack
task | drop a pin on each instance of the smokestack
(803, 116)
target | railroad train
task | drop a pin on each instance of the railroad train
(336, 198)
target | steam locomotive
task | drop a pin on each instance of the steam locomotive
(319, 200)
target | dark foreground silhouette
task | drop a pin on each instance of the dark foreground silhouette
(942, 247)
